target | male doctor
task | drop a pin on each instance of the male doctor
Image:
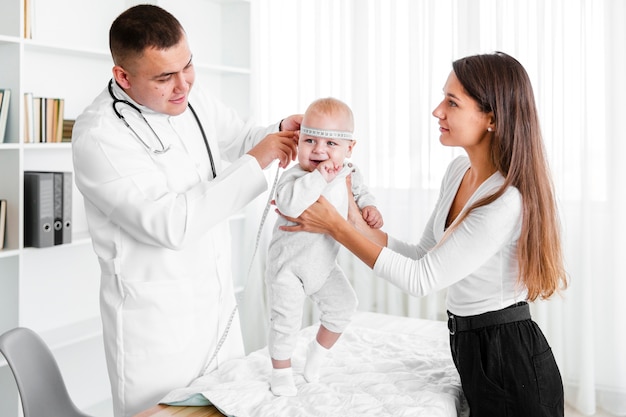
(147, 158)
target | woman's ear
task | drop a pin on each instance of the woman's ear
(491, 127)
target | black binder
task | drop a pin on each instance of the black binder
(67, 207)
(62, 207)
(58, 208)
(38, 209)
(3, 221)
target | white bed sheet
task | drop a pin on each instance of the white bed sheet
(381, 366)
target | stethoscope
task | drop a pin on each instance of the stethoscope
(163, 149)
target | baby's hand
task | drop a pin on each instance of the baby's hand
(372, 217)
(328, 169)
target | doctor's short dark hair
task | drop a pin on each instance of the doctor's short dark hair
(140, 27)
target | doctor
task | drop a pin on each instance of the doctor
(147, 158)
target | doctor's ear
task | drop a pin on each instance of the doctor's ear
(121, 77)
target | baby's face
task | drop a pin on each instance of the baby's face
(312, 150)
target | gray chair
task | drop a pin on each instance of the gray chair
(39, 380)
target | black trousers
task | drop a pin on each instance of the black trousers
(506, 366)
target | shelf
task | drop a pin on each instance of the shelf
(9, 39)
(48, 146)
(42, 47)
(77, 240)
(7, 253)
(69, 335)
(9, 145)
(73, 334)
(225, 69)
(38, 46)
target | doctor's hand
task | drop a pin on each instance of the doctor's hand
(279, 145)
(291, 123)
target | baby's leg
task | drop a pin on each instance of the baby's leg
(337, 303)
(282, 383)
(286, 299)
(316, 352)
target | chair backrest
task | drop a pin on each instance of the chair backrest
(39, 380)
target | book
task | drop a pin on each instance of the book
(46, 122)
(51, 113)
(28, 19)
(68, 126)
(3, 221)
(29, 123)
(5, 101)
(38, 209)
(43, 115)
(58, 122)
(37, 119)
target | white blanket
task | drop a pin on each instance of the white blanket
(381, 366)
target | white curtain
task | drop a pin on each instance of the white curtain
(388, 59)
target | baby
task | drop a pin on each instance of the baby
(303, 264)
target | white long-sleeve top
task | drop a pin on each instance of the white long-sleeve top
(313, 255)
(298, 189)
(477, 261)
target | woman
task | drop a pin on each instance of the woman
(493, 239)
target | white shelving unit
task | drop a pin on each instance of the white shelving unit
(55, 290)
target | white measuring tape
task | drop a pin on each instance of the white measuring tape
(256, 246)
(324, 133)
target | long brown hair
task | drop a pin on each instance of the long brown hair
(500, 84)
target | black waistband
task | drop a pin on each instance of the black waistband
(517, 312)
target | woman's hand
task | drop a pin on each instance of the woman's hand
(323, 217)
(320, 217)
(355, 216)
(354, 233)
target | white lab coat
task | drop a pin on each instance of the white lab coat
(159, 227)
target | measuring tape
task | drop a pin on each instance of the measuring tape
(256, 246)
(325, 133)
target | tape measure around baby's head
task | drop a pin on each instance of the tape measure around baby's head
(324, 133)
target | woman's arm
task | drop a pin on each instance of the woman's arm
(354, 234)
